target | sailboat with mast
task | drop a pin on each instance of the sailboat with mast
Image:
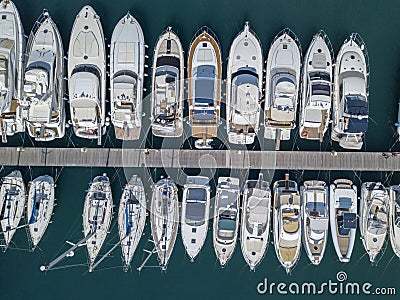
(164, 219)
(394, 219)
(131, 218)
(12, 204)
(97, 215)
(41, 198)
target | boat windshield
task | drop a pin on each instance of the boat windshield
(320, 76)
(320, 89)
(227, 225)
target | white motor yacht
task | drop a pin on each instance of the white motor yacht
(256, 219)
(12, 50)
(287, 223)
(42, 105)
(12, 204)
(127, 57)
(87, 75)
(374, 221)
(316, 95)
(350, 97)
(226, 218)
(204, 83)
(131, 218)
(164, 219)
(282, 86)
(41, 197)
(244, 87)
(343, 217)
(97, 215)
(315, 219)
(168, 86)
(195, 214)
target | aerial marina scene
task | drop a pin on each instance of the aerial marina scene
(144, 148)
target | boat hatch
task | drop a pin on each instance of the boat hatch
(345, 202)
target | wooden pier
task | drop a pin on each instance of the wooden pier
(175, 158)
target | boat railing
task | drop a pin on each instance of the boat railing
(43, 17)
(207, 30)
(322, 34)
(343, 183)
(247, 23)
(360, 42)
(290, 33)
(167, 30)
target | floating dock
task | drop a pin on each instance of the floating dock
(178, 158)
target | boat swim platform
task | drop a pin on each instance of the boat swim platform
(182, 158)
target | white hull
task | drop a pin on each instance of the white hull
(164, 219)
(87, 75)
(13, 47)
(127, 59)
(282, 86)
(226, 218)
(343, 217)
(195, 214)
(167, 86)
(12, 204)
(394, 219)
(287, 223)
(244, 87)
(350, 121)
(41, 197)
(131, 218)
(373, 218)
(256, 219)
(315, 219)
(42, 105)
(97, 215)
(316, 96)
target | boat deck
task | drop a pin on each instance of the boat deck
(315, 133)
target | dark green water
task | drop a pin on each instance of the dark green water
(377, 23)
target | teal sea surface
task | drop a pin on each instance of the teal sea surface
(379, 25)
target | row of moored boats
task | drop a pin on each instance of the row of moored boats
(299, 216)
(32, 84)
